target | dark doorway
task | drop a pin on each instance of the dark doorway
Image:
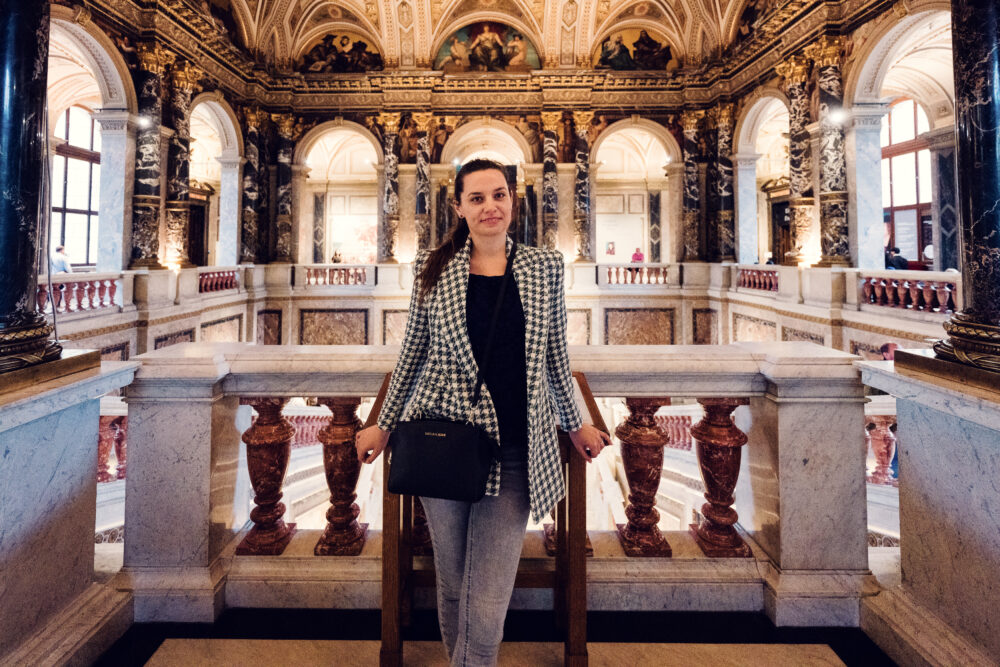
(197, 232)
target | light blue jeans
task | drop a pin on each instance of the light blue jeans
(477, 547)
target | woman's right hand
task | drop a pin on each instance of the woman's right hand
(370, 442)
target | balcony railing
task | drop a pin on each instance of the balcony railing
(786, 401)
(921, 291)
(338, 274)
(757, 278)
(218, 279)
(638, 274)
(72, 293)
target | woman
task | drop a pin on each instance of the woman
(477, 545)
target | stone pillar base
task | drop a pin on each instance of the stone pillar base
(971, 343)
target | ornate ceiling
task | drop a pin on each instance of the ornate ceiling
(409, 33)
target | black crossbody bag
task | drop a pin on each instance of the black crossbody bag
(440, 458)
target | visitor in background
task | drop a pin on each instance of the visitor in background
(637, 258)
(888, 351)
(896, 261)
(60, 261)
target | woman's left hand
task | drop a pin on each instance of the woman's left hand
(589, 441)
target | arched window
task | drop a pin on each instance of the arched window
(906, 180)
(76, 182)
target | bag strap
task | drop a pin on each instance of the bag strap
(493, 325)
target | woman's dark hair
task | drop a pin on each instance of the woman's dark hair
(459, 233)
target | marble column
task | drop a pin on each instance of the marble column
(941, 143)
(725, 219)
(422, 213)
(746, 208)
(827, 54)
(795, 71)
(710, 155)
(24, 55)
(117, 147)
(581, 191)
(692, 192)
(228, 249)
(529, 206)
(974, 332)
(389, 229)
(864, 185)
(442, 213)
(146, 197)
(550, 179)
(319, 228)
(184, 80)
(289, 130)
(250, 251)
(655, 233)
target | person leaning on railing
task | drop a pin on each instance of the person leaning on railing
(528, 385)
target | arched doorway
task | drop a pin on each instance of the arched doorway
(216, 161)
(340, 194)
(901, 155)
(636, 189)
(762, 170)
(91, 126)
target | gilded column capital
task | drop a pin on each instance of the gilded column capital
(691, 118)
(551, 119)
(255, 117)
(827, 51)
(424, 120)
(389, 121)
(582, 120)
(794, 71)
(185, 76)
(724, 115)
(289, 127)
(153, 58)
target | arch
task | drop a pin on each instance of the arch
(445, 31)
(308, 141)
(610, 27)
(303, 41)
(670, 144)
(863, 80)
(503, 139)
(118, 106)
(754, 115)
(102, 56)
(225, 226)
(224, 120)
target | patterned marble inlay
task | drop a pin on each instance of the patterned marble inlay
(333, 327)
(639, 326)
(706, 326)
(269, 327)
(578, 326)
(947, 249)
(789, 334)
(186, 336)
(753, 329)
(319, 228)
(226, 330)
(393, 326)
(866, 350)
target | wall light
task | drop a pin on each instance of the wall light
(838, 116)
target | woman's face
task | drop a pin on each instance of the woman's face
(486, 203)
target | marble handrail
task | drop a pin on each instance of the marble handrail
(638, 274)
(339, 274)
(758, 278)
(77, 292)
(217, 279)
(926, 291)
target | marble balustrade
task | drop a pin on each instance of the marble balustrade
(217, 279)
(179, 504)
(77, 292)
(926, 291)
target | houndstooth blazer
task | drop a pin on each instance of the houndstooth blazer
(436, 371)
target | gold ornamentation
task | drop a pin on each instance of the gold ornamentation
(389, 121)
(153, 58)
(551, 119)
(827, 51)
(691, 118)
(255, 117)
(794, 71)
(185, 76)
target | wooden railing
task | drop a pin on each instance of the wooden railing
(909, 290)
(73, 293)
(215, 279)
(762, 279)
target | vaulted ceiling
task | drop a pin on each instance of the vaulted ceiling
(408, 33)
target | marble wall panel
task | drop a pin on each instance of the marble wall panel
(789, 334)
(753, 329)
(393, 326)
(639, 326)
(185, 336)
(269, 327)
(578, 326)
(119, 352)
(866, 350)
(348, 326)
(706, 326)
(226, 330)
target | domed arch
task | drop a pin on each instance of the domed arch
(308, 141)
(225, 122)
(502, 141)
(670, 144)
(755, 113)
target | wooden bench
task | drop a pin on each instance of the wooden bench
(567, 575)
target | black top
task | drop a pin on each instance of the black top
(507, 374)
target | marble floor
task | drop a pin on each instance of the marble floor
(306, 653)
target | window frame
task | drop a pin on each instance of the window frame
(66, 152)
(922, 209)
